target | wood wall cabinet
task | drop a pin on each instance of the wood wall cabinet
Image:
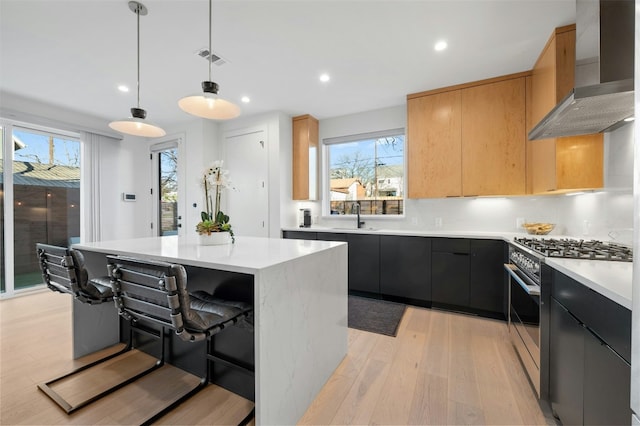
(468, 140)
(434, 148)
(305, 158)
(568, 163)
(494, 138)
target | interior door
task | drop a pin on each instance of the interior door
(248, 203)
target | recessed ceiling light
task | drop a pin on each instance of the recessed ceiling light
(440, 46)
(324, 77)
(245, 99)
(123, 88)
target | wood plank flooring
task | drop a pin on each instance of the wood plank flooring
(442, 368)
(36, 346)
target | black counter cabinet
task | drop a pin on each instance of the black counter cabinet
(459, 274)
(468, 275)
(405, 269)
(589, 352)
(450, 266)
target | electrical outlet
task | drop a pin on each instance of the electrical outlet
(519, 222)
(414, 220)
(438, 222)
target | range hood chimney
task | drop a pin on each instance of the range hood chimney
(603, 93)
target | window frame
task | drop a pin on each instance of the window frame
(326, 172)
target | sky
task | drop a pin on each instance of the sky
(387, 155)
(66, 151)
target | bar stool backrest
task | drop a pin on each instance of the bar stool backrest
(59, 269)
(154, 291)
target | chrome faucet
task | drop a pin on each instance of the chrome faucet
(356, 207)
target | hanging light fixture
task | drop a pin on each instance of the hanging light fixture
(136, 124)
(208, 104)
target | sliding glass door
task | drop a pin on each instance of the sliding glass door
(42, 198)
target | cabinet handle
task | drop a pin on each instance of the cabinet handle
(452, 253)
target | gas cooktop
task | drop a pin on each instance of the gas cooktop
(577, 249)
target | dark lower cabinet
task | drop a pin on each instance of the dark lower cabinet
(468, 274)
(566, 365)
(487, 279)
(299, 235)
(452, 273)
(589, 380)
(364, 260)
(364, 263)
(607, 380)
(405, 268)
(450, 278)
(331, 236)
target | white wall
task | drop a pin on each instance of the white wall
(606, 214)
(125, 167)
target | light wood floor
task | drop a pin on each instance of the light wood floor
(35, 346)
(442, 368)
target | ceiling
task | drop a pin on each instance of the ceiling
(74, 54)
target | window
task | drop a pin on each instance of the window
(367, 169)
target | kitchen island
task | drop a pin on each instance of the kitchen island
(300, 303)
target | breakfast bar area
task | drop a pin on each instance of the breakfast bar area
(299, 292)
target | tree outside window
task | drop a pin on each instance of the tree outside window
(368, 171)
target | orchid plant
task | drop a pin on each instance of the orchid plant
(214, 180)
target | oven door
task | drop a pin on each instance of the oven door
(524, 321)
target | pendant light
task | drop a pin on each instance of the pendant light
(136, 124)
(208, 104)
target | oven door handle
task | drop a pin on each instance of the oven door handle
(531, 288)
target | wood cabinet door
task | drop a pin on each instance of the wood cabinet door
(434, 146)
(494, 138)
(305, 153)
(580, 162)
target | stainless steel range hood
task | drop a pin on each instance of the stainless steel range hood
(603, 95)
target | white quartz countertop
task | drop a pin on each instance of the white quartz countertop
(611, 279)
(506, 236)
(246, 255)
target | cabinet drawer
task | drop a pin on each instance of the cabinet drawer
(299, 235)
(451, 245)
(608, 320)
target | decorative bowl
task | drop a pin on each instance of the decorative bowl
(538, 228)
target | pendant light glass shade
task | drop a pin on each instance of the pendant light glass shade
(208, 104)
(137, 125)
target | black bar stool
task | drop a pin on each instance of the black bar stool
(156, 292)
(63, 271)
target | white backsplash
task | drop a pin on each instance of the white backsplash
(605, 215)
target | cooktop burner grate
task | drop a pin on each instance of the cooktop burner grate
(578, 249)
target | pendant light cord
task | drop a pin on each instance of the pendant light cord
(138, 83)
(210, 52)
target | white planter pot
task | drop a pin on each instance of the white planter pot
(215, 238)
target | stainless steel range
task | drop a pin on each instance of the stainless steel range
(529, 292)
(577, 249)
